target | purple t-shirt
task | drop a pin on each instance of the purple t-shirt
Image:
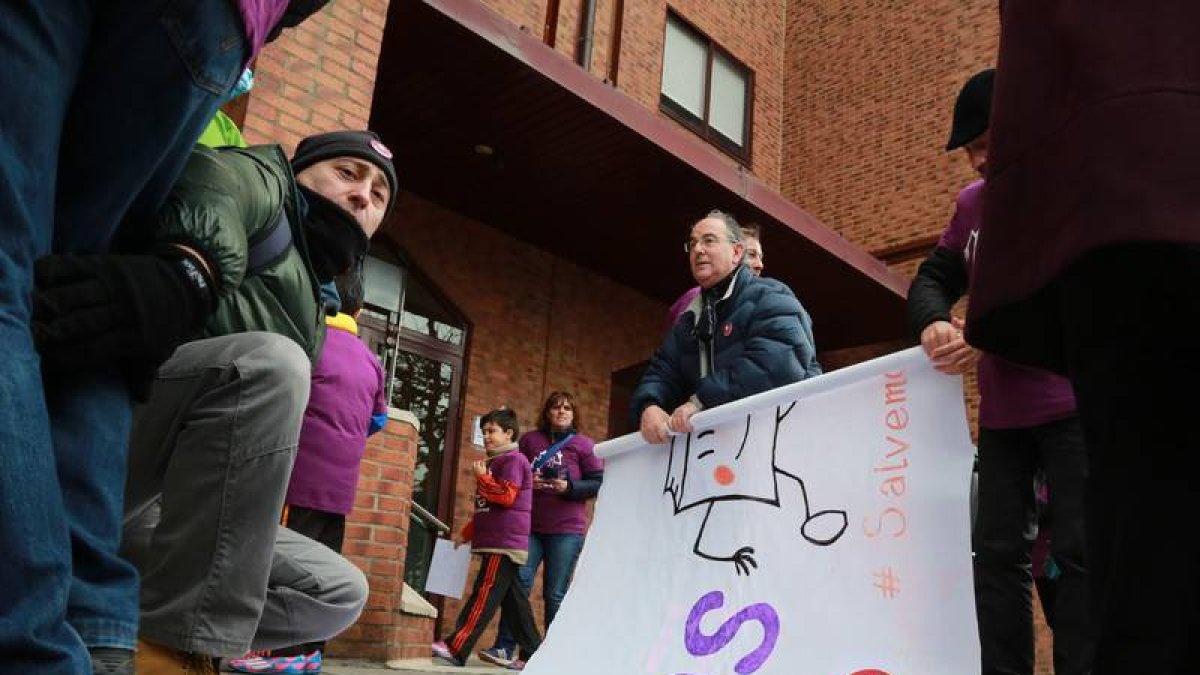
(347, 389)
(680, 306)
(1011, 395)
(260, 17)
(553, 513)
(505, 527)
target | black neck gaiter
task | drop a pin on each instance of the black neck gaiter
(335, 240)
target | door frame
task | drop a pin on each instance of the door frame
(435, 350)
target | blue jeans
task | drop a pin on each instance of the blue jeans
(103, 103)
(560, 552)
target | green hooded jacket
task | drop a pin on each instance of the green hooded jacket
(225, 199)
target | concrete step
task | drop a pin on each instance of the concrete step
(411, 666)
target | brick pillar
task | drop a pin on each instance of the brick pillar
(377, 538)
(319, 76)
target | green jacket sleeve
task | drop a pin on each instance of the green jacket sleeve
(223, 198)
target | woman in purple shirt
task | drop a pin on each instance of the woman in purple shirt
(566, 474)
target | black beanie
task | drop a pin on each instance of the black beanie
(972, 110)
(361, 144)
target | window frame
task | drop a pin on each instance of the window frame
(700, 125)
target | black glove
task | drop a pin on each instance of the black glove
(131, 311)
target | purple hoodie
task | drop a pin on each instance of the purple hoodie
(347, 390)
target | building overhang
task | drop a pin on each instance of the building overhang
(488, 121)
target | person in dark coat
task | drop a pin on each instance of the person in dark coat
(741, 335)
(1087, 265)
(1027, 424)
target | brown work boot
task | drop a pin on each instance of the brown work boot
(154, 659)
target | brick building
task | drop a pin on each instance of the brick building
(552, 154)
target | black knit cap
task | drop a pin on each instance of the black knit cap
(361, 144)
(972, 110)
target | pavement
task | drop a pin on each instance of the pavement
(405, 666)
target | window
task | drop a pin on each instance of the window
(706, 89)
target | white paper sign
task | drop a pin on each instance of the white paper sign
(477, 432)
(448, 569)
(820, 528)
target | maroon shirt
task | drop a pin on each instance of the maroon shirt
(553, 513)
(1094, 139)
(1011, 395)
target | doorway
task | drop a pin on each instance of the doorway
(423, 348)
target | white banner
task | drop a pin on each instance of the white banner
(820, 528)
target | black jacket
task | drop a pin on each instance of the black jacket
(941, 280)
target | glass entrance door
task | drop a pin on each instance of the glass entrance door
(427, 386)
(422, 347)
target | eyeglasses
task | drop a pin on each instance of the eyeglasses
(706, 241)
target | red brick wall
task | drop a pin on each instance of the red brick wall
(869, 91)
(319, 76)
(377, 539)
(538, 324)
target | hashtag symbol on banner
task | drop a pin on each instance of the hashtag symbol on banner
(888, 583)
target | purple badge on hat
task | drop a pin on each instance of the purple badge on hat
(381, 149)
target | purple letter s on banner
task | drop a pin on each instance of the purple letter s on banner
(700, 644)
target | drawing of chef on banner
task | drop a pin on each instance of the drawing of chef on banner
(736, 462)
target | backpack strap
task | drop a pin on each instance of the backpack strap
(267, 248)
(546, 456)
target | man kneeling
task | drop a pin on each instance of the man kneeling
(212, 449)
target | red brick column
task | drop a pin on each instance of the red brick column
(377, 538)
(319, 76)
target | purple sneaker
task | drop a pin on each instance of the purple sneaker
(288, 665)
(442, 653)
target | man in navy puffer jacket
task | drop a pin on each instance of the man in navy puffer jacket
(742, 335)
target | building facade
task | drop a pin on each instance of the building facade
(552, 154)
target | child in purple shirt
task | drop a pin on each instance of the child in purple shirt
(499, 532)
